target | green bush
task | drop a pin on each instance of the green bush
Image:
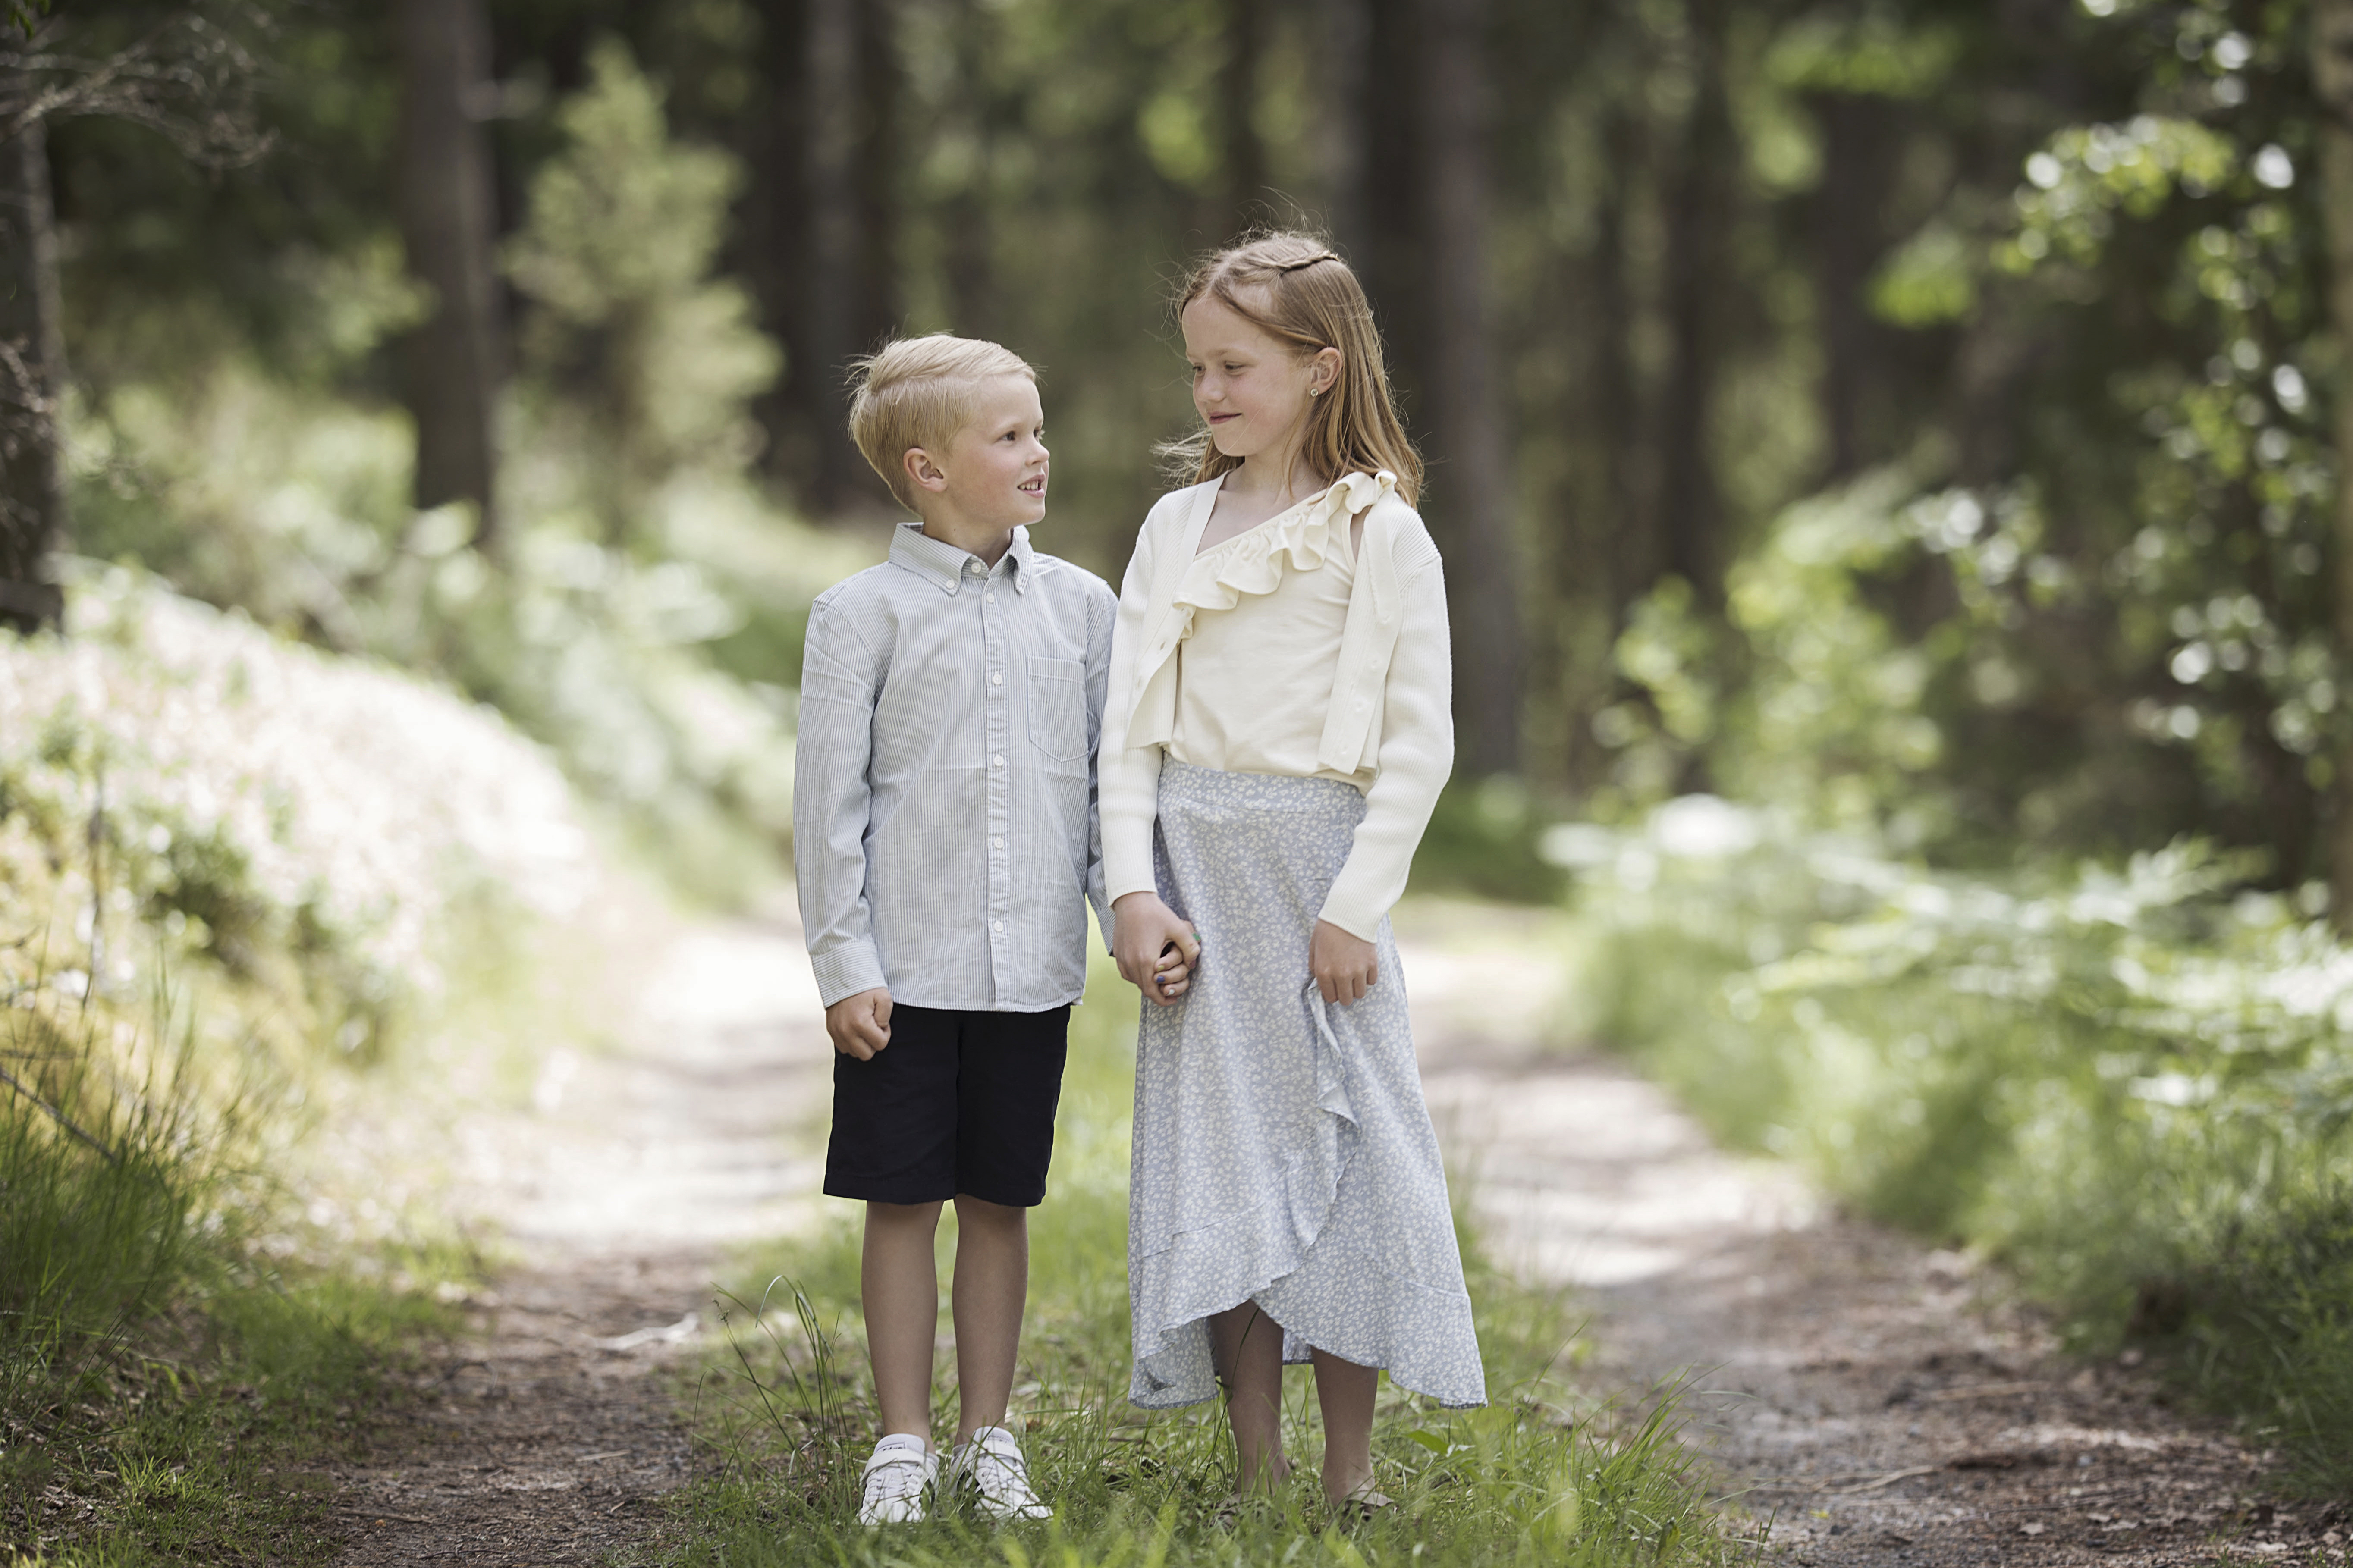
(2131, 1085)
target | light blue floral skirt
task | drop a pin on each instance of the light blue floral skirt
(1283, 1150)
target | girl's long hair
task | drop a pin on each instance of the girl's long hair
(1297, 289)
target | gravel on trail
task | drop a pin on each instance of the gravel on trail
(1856, 1396)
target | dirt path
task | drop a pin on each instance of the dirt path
(1877, 1401)
(548, 1438)
(1853, 1387)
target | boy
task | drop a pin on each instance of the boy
(944, 830)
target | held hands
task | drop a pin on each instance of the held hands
(1345, 966)
(861, 1024)
(1156, 952)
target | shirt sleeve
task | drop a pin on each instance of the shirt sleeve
(1416, 758)
(1128, 781)
(831, 795)
(1102, 611)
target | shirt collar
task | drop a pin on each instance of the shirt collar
(946, 567)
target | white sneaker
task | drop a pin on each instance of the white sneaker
(988, 1465)
(898, 1481)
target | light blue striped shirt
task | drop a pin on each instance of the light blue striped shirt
(944, 793)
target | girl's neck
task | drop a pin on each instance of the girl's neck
(1253, 492)
(1269, 480)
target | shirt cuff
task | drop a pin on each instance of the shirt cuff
(1357, 922)
(847, 970)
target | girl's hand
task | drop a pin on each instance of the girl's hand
(1156, 951)
(1345, 966)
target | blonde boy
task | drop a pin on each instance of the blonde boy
(944, 830)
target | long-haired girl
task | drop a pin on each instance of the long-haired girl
(1278, 733)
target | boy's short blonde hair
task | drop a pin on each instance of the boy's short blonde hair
(918, 391)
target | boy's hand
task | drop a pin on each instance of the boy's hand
(861, 1024)
(1344, 964)
(1156, 952)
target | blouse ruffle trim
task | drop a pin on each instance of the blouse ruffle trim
(1253, 563)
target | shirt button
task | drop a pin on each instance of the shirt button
(996, 678)
(992, 596)
(996, 761)
(996, 843)
(997, 925)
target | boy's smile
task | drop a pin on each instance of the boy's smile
(992, 477)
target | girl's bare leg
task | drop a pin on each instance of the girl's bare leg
(900, 1290)
(992, 1278)
(1346, 1392)
(1248, 1347)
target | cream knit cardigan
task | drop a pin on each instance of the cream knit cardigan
(1391, 713)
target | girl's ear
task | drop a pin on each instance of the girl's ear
(923, 471)
(1323, 369)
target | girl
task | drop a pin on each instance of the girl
(1278, 733)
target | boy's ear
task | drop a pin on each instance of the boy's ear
(923, 471)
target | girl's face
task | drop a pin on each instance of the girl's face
(1250, 387)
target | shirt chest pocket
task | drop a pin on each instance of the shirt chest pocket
(1058, 708)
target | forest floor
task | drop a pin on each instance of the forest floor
(1876, 1401)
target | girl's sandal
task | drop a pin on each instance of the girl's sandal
(1362, 1504)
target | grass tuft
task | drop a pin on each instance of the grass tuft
(165, 1388)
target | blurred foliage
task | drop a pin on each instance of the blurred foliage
(644, 617)
(638, 361)
(2130, 1085)
(2105, 620)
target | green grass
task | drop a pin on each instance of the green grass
(166, 1390)
(1546, 1474)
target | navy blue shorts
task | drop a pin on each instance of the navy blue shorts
(958, 1102)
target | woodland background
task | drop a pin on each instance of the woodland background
(1887, 455)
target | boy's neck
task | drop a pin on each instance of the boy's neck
(988, 543)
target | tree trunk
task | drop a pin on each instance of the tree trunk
(969, 259)
(847, 299)
(1243, 160)
(775, 234)
(833, 300)
(1630, 548)
(1470, 479)
(2332, 77)
(32, 379)
(457, 359)
(1858, 148)
(1346, 29)
(1691, 507)
(1390, 256)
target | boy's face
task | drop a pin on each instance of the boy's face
(993, 475)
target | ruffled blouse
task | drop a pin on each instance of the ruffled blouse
(1260, 620)
(1192, 674)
